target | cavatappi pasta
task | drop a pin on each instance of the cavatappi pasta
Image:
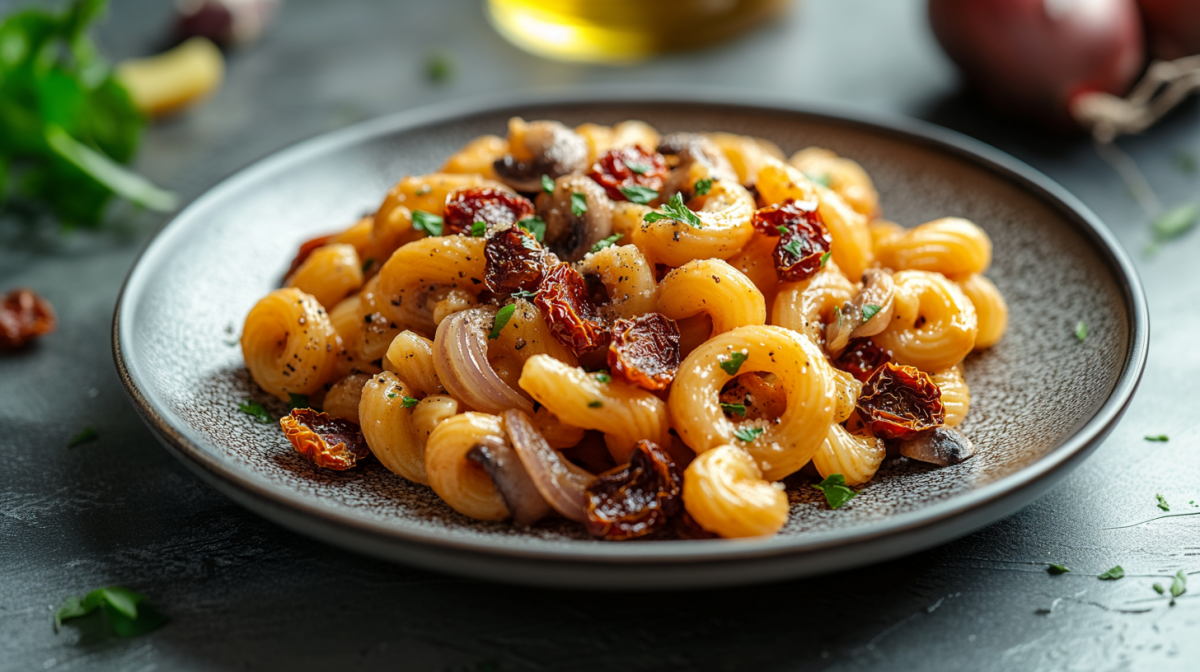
(642, 332)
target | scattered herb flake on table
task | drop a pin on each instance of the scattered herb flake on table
(84, 436)
(1117, 572)
(1081, 330)
(1175, 222)
(1178, 585)
(1162, 502)
(1056, 569)
(1161, 438)
(438, 67)
(835, 490)
(251, 407)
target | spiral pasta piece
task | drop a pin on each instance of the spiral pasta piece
(856, 457)
(952, 246)
(806, 306)
(341, 401)
(410, 357)
(375, 328)
(627, 218)
(289, 344)
(933, 324)
(990, 308)
(414, 270)
(756, 262)
(387, 426)
(715, 288)
(881, 230)
(330, 274)
(956, 396)
(477, 157)
(844, 176)
(725, 227)
(725, 493)
(460, 482)
(346, 320)
(745, 153)
(599, 139)
(781, 447)
(633, 132)
(846, 392)
(627, 277)
(359, 235)
(428, 192)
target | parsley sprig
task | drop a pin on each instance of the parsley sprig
(677, 210)
(427, 222)
(733, 362)
(502, 317)
(835, 490)
(638, 194)
(606, 242)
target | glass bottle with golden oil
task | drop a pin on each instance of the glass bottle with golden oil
(623, 31)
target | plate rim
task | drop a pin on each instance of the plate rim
(1066, 455)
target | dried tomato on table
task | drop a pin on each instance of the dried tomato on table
(326, 441)
(629, 167)
(494, 207)
(514, 261)
(635, 499)
(23, 317)
(861, 357)
(645, 351)
(567, 307)
(899, 402)
(803, 239)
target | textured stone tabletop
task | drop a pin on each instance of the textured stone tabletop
(243, 593)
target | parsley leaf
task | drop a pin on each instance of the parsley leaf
(86, 435)
(870, 310)
(502, 317)
(825, 259)
(1056, 569)
(603, 377)
(595, 404)
(547, 184)
(478, 229)
(1175, 222)
(734, 362)
(578, 203)
(1162, 502)
(1178, 585)
(1158, 588)
(427, 222)
(256, 409)
(297, 401)
(1081, 330)
(524, 294)
(606, 242)
(702, 186)
(795, 249)
(638, 168)
(639, 195)
(738, 409)
(836, 491)
(820, 178)
(392, 395)
(748, 434)
(677, 210)
(534, 225)
(367, 265)
(438, 67)
(124, 610)
(1163, 438)
(1117, 572)
(530, 244)
(409, 402)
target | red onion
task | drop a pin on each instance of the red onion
(561, 483)
(460, 356)
(1033, 57)
(1173, 27)
(520, 495)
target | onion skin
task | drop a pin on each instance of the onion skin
(518, 491)
(460, 357)
(1031, 58)
(561, 483)
(1173, 27)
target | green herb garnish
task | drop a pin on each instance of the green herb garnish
(1081, 330)
(825, 259)
(530, 244)
(478, 229)
(748, 434)
(737, 409)
(297, 401)
(836, 491)
(1178, 585)
(595, 404)
(438, 67)
(1117, 572)
(603, 377)
(547, 184)
(639, 195)
(1162, 438)
(702, 186)
(606, 242)
(733, 363)
(1175, 222)
(409, 402)
(578, 203)
(638, 168)
(367, 265)
(1056, 569)
(870, 310)
(1186, 161)
(1158, 588)
(820, 178)
(524, 294)
(392, 395)
(427, 222)
(89, 434)
(502, 317)
(251, 407)
(795, 248)
(534, 225)
(677, 210)
(120, 607)
(1162, 502)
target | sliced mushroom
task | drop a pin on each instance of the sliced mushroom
(568, 235)
(540, 148)
(683, 151)
(876, 299)
(516, 488)
(942, 446)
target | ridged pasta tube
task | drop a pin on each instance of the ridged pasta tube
(990, 309)
(725, 227)
(477, 157)
(329, 274)
(376, 327)
(387, 425)
(844, 176)
(933, 323)
(627, 277)
(725, 493)
(952, 246)
(855, 457)
(414, 270)
(806, 306)
(410, 357)
(459, 481)
(781, 447)
(715, 288)
(346, 318)
(956, 396)
(289, 344)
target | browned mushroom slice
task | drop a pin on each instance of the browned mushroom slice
(942, 446)
(868, 314)
(578, 214)
(540, 148)
(512, 482)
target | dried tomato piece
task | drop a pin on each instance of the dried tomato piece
(803, 238)
(899, 402)
(514, 261)
(635, 499)
(861, 358)
(494, 207)
(629, 167)
(326, 441)
(23, 317)
(569, 311)
(750, 397)
(306, 249)
(645, 351)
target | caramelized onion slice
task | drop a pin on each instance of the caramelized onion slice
(942, 446)
(460, 356)
(561, 483)
(515, 487)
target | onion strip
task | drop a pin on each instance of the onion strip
(561, 483)
(460, 357)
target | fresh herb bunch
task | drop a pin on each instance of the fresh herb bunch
(66, 123)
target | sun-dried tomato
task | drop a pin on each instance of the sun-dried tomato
(612, 170)
(645, 351)
(635, 499)
(899, 402)
(494, 207)
(803, 238)
(306, 249)
(514, 261)
(23, 317)
(750, 397)
(861, 358)
(569, 311)
(326, 441)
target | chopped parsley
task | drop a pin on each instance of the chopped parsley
(836, 491)
(578, 203)
(1117, 572)
(638, 168)
(737, 409)
(606, 242)
(297, 401)
(251, 407)
(820, 178)
(1056, 569)
(534, 225)
(1162, 502)
(367, 265)
(1081, 330)
(870, 310)
(783, 230)
(547, 184)
(478, 229)
(677, 210)
(392, 395)
(1178, 585)
(702, 186)
(603, 377)
(502, 317)
(524, 294)
(427, 222)
(88, 434)
(1175, 222)
(795, 249)
(530, 244)
(120, 607)
(438, 68)
(409, 402)
(638, 194)
(825, 259)
(1158, 588)
(748, 434)
(595, 404)
(734, 362)
(1161, 438)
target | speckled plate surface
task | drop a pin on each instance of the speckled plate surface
(1041, 400)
